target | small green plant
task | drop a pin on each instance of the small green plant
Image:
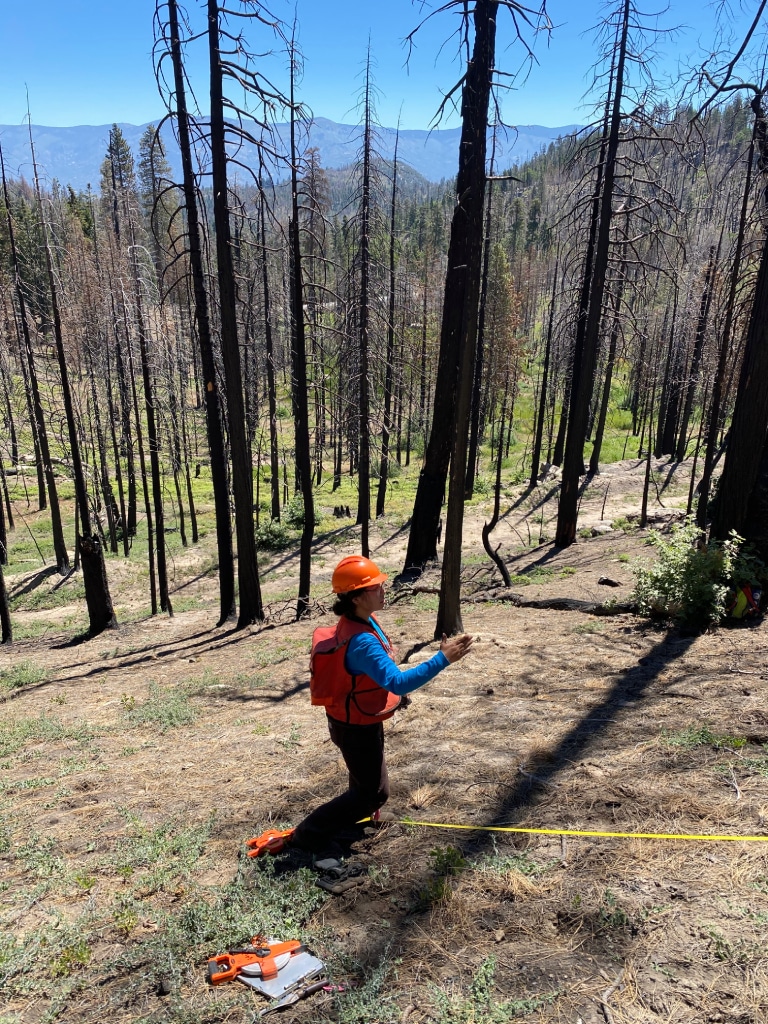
(23, 674)
(740, 953)
(165, 708)
(538, 574)
(746, 766)
(251, 680)
(157, 858)
(447, 861)
(624, 524)
(17, 733)
(702, 735)
(34, 783)
(691, 580)
(380, 877)
(126, 919)
(293, 739)
(370, 1001)
(71, 957)
(478, 1006)
(503, 863)
(60, 595)
(187, 604)
(433, 891)
(610, 914)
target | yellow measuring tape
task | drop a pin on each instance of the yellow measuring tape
(584, 832)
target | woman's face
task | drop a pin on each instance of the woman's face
(369, 600)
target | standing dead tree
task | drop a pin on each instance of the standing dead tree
(168, 46)
(101, 614)
(299, 360)
(447, 437)
(38, 419)
(591, 304)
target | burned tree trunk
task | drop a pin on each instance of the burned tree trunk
(101, 614)
(30, 379)
(585, 352)
(459, 322)
(213, 410)
(459, 329)
(251, 608)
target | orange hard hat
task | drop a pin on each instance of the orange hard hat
(354, 573)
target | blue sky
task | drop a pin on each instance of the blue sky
(89, 62)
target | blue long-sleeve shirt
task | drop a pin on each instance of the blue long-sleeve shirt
(366, 656)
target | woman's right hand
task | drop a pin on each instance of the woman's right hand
(455, 647)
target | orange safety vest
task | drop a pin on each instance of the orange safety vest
(356, 700)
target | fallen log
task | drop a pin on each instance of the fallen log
(558, 604)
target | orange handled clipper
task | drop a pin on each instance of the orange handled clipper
(261, 960)
(271, 841)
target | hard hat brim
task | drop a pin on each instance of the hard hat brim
(372, 582)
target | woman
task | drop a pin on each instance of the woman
(364, 686)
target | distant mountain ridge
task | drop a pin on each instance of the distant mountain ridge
(74, 155)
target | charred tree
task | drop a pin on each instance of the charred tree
(591, 308)
(171, 44)
(299, 372)
(249, 587)
(30, 379)
(458, 334)
(101, 614)
(389, 366)
(460, 306)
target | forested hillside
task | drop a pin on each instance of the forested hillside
(226, 347)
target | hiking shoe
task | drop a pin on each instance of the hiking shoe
(339, 879)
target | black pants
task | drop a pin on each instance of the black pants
(362, 747)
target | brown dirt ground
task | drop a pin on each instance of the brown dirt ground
(556, 720)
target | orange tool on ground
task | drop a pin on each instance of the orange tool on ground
(272, 841)
(260, 959)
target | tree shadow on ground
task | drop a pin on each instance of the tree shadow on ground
(626, 694)
(540, 500)
(26, 586)
(210, 639)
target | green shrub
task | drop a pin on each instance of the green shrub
(691, 581)
(273, 535)
(293, 513)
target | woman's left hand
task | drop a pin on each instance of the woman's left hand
(455, 647)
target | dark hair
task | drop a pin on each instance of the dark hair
(345, 604)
